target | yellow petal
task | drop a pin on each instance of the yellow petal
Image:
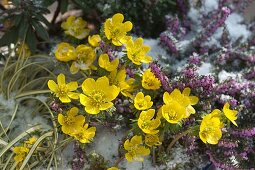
(52, 86)
(65, 99)
(61, 119)
(72, 86)
(61, 79)
(74, 69)
(73, 95)
(117, 18)
(88, 85)
(127, 26)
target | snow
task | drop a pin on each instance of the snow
(210, 5)
(106, 143)
(223, 75)
(205, 69)
(236, 28)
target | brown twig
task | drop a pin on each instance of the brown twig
(176, 139)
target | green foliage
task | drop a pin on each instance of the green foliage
(147, 16)
(26, 23)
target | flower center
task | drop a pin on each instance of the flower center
(62, 91)
(69, 120)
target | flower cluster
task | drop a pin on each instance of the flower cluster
(22, 151)
(111, 70)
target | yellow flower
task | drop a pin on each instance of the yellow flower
(85, 135)
(21, 153)
(136, 51)
(173, 112)
(23, 50)
(62, 90)
(98, 95)
(135, 149)
(118, 78)
(210, 128)
(230, 114)
(142, 102)
(152, 140)
(31, 140)
(192, 100)
(116, 31)
(65, 52)
(183, 99)
(146, 122)
(75, 27)
(85, 58)
(113, 168)
(149, 81)
(71, 123)
(94, 40)
(104, 62)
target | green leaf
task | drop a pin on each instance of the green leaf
(47, 3)
(31, 39)
(40, 30)
(63, 6)
(17, 19)
(42, 19)
(9, 37)
(23, 28)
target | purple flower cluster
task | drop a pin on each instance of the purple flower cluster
(230, 87)
(218, 163)
(194, 59)
(249, 132)
(210, 29)
(227, 144)
(169, 41)
(78, 158)
(155, 68)
(250, 74)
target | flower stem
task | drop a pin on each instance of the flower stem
(176, 139)
(118, 161)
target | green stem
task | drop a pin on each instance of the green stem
(176, 139)
(32, 93)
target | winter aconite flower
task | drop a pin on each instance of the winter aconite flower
(65, 52)
(192, 100)
(173, 112)
(116, 31)
(136, 51)
(71, 122)
(149, 81)
(62, 90)
(210, 128)
(85, 58)
(21, 152)
(75, 27)
(230, 114)
(104, 62)
(182, 99)
(135, 149)
(31, 140)
(142, 102)
(118, 78)
(94, 40)
(152, 140)
(85, 135)
(147, 123)
(98, 94)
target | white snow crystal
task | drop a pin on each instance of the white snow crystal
(236, 29)
(210, 5)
